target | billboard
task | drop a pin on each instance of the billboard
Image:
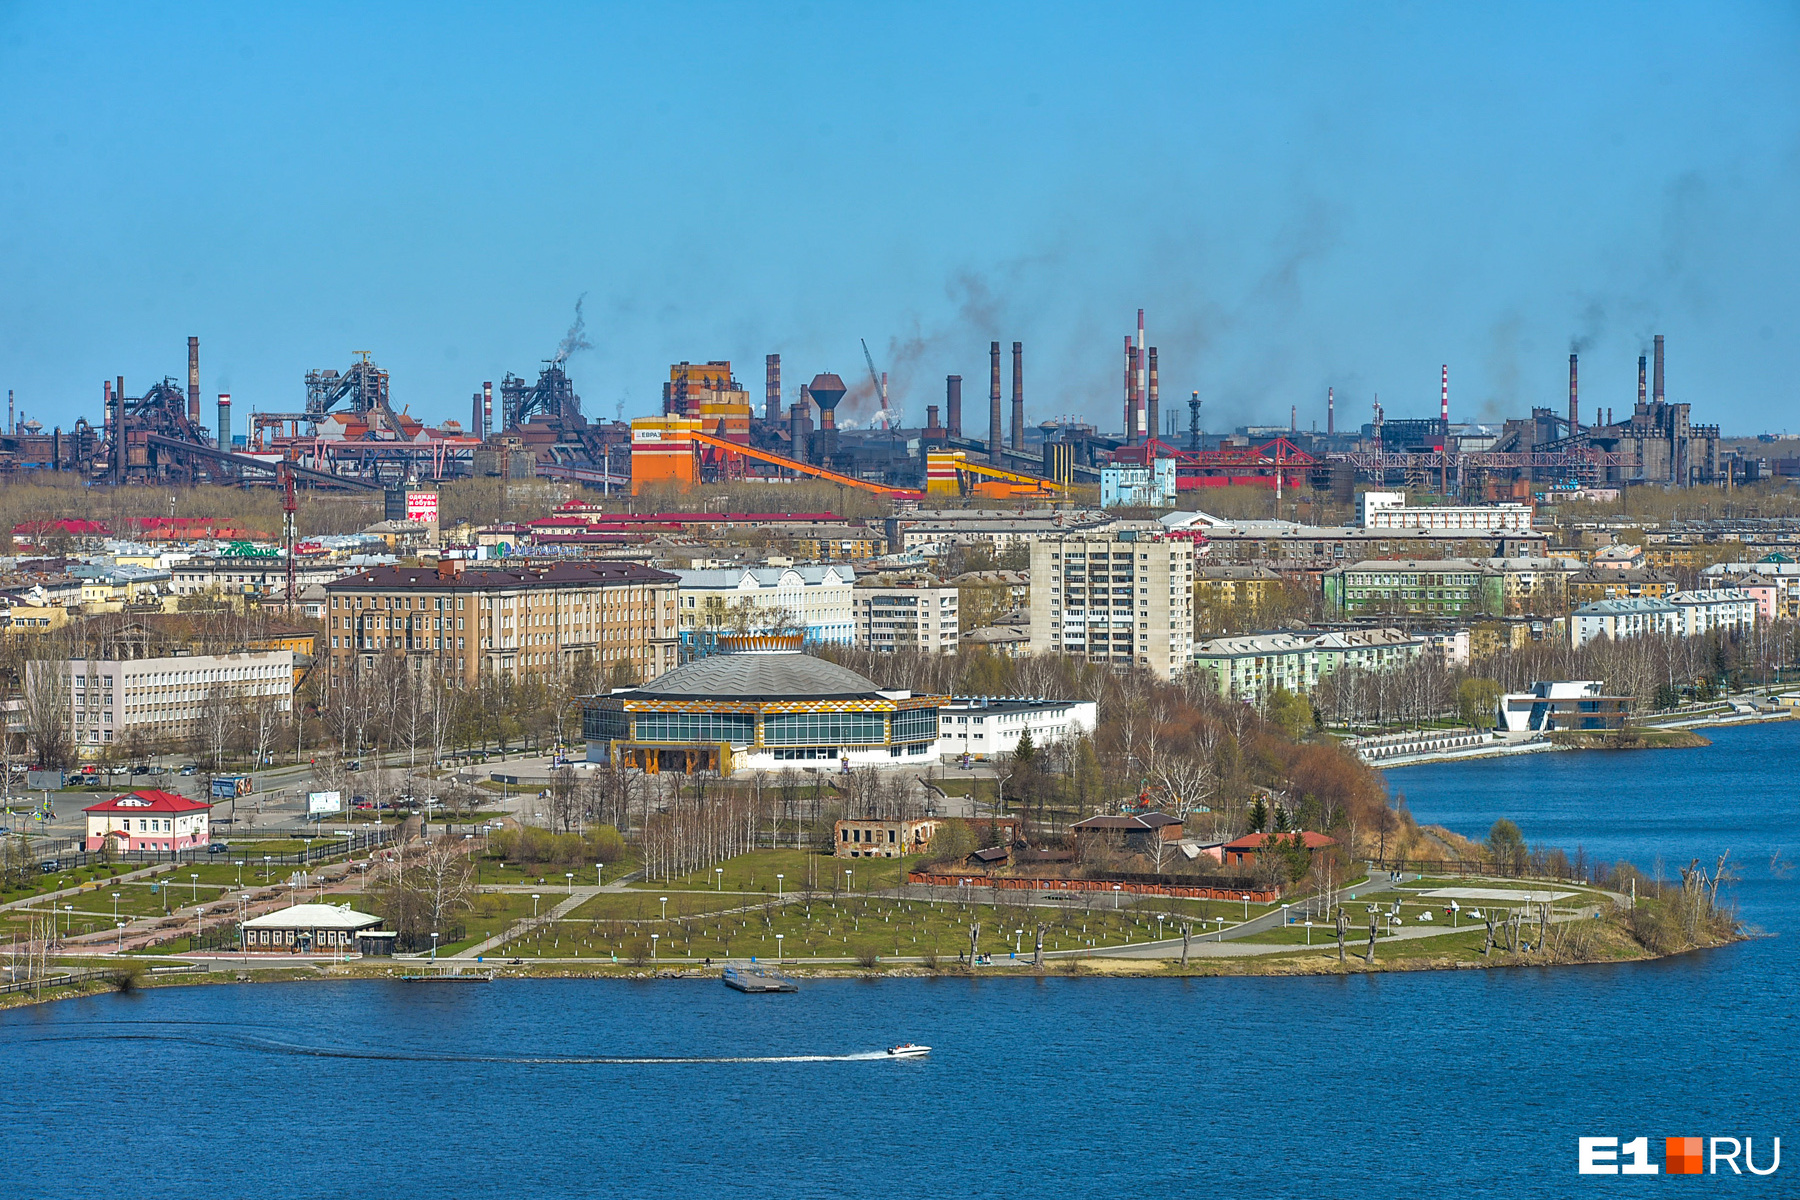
(320, 803)
(422, 507)
(230, 787)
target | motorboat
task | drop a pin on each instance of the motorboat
(757, 979)
(908, 1050)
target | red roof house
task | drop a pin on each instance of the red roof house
(1242, 851)
(149, 820)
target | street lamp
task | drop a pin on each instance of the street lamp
(654, 938)
(1246, 906)
(849, 879)
(1018, 938)
(267, 859)
(718, 879)
(1309, 933)
(778, 879)
(115, 906)
(434, 938)
(121, 926)
(534, 900)
(570, 876)
(68, 920)
(778, 938)
(1116, 890)
(193, 888)
(664, 901)
(240, 867)
(599, 874)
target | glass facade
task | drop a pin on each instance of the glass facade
(915, 724)
(605, 725)
(738, 728)
(826, 729)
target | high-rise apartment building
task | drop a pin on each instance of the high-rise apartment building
(906, 617)
(1120, 595)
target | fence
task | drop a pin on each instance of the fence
(1401, 745)
(72, 977)
(1459, 866)
(326, 848)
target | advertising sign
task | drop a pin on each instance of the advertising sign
(422, 507)
(319, 804)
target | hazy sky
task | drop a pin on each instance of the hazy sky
(1300, 196)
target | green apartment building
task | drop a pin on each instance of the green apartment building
(1443, 587)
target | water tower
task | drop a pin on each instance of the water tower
(826, 391)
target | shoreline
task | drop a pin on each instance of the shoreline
(1544, 745)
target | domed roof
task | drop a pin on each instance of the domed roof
(758, 676)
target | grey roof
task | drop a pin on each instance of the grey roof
(781, 676)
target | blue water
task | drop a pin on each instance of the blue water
(1435, 1084)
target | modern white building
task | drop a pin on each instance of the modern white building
(1122, 595)
(1389, 510)
(166, 698)
(906, 617)
(818, 600)
(1562, 704)
(989, 727)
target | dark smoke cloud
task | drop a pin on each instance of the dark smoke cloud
(576, 338)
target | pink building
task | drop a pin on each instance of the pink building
(149, 820)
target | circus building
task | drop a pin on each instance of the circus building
(759, 704)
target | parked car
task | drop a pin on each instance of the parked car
(353, 766)
(218, 848)
(140, 769)
(189, 769)
(49, 866)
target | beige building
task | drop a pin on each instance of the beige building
(466, 620)
(165, 698)
(1122, 595)
(1533, 586)
(906, 617)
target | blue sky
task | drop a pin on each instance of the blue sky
(1301, 195)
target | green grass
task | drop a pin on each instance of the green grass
(643, 906)
(756, 871)
(550, 875)
(493, 912)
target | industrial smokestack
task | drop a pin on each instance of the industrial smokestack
(475, 414)
(1018, 397)
(1574, 401)
(1444, 402)
(772, 387)
(1130, 390)
(1293, 418)
(799, 425)
(1153, 405)
(953, 405)
(487, 409)
(225, 421)
(1140, 381)
(1330, 411)
(1656, 371)
(12, 426)
(194, 382)
(931, 412)
(1643, 386)
(995, 449)
(1194, 421)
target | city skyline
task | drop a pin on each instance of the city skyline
(1311, 197)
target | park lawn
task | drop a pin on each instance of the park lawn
(493, 912)
(847, 928)
(643, 905)
(755, 873)
(40, 883)
(496, 871)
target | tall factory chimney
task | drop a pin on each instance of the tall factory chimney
(1141, 381)
(1444, 403)
(1656, 370)
(953, 405)
(772, 387)
(1574, 401)
(194, 382)
(487, 408)
(995, 449)
(475, 415)
(1194, 421)
(826, 391)
(1153, 405)
(798, 419)
(1330, 411)
(12, 426)
(1130, 425)
(1018, 397)
(1643, 386)
(225, 421)
(120, 461)
(1293, 418)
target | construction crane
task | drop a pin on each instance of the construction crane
(880, 382)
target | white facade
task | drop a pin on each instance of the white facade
(1123, 595)
(1253, 668)
(1629, 618)
(907, 618)
(1151, 486)
(1725, 608)
(990, 727)
(818, 598)
(1389, 510)
(166, 698)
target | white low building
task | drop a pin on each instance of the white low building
(1725, 609)
(988, 727)
(1683, 614)
(167, 698)
(817, 600)
(316, 929)
(1389, 510)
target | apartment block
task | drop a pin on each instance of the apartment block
(1389, 510)
(1121, 595)
(816, 601)
(166, 699)
(463, 621)
(1457, 587)
(906, 617)
(1253, 668)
